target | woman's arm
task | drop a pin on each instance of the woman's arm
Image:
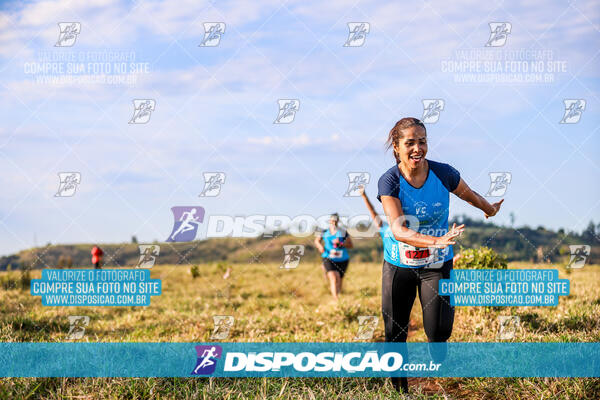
(376, 219)
(393, 210)
(318, 244)
(348, 242)
(476, 200)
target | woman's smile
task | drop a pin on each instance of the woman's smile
(416, 158)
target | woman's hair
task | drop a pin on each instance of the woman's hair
(396, 133)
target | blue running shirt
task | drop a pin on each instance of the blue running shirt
(332, 253)
(429, 204)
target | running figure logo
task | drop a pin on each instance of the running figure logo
(207, 359)
(186, 222)
(366, 327)
(68, 184)
(432, 109)
(77, 326)
(142, 109)
(212, 34)
(573, 110)
(509, 324)
(148, 254)
(498, 34)
(579, 254)
(212, 184)
(68, 33)
(356, 181)
(357, 33)
(223, 325)
(499, 182)
(287, 110)
(291, 255)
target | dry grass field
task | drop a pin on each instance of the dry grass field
(278, 305)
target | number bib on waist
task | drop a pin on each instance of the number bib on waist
(429, 257)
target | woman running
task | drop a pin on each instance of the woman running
(419, 254)
(333, 243)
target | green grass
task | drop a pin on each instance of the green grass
(272, 304)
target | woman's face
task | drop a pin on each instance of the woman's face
(412, 147)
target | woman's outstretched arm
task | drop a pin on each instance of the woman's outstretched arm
(376, 219)
(476, 200)
(395, 215)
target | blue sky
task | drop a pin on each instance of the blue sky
(215, 108)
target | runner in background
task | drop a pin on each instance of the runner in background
(97, 254)
(333, 243)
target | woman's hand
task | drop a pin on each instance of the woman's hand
(449, 237)
(495, 209)
(361, 190)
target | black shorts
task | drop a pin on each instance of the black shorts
(339, 266)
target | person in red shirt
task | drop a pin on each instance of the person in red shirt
(97, 254)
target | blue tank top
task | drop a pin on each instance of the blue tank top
(331, 252)
(429, 204)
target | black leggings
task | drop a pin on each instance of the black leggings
(399, 289)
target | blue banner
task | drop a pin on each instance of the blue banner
(299, 359)
(504, 287)
(96, 287)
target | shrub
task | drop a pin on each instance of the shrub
(195, 271)
(223, 266)
(25, 277)
(9, 282)
(479, 258)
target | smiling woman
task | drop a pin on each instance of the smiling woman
(413, 259)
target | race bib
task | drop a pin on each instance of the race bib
(429, 257)
(333, 253)
(437, 258)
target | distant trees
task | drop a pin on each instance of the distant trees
(591, 233)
